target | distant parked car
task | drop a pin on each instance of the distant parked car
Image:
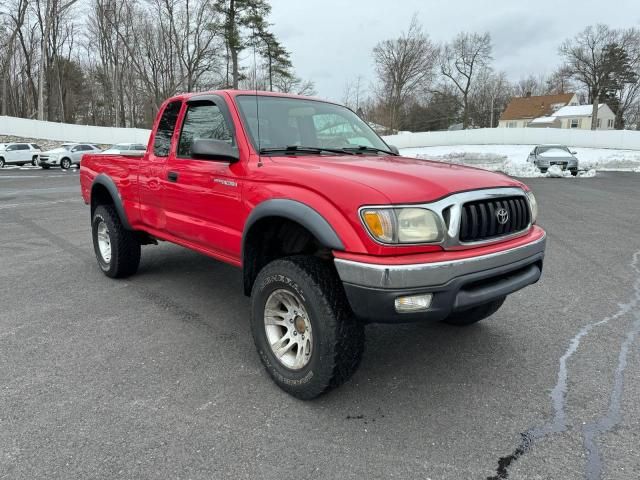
(19, 153)
(66, 155)
(545, 156)
(123, 148)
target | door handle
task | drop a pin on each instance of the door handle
(172, 176)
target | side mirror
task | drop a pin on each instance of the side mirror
(216, 150)
(394, 149)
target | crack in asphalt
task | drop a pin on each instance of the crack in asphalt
(613, 416)
(558, 423)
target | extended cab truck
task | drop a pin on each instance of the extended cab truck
(331, 227)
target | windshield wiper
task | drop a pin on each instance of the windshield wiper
(301, 149)
(364, 148)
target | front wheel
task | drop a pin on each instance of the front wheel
(65, 164)
(475, 314)
(574, 172)
(117, 249)
(307, 337)
(1, 162)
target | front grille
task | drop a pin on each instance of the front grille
(480, 218)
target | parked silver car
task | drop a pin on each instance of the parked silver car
(67, 155)
(545, 156)
(19, 153)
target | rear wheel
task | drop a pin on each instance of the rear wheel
(117, 249)
(65, 164)
(1, 162)
(307, 337)
(475, 314)
(34, 161)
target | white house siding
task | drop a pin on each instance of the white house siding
(606, 119)
(513, 123)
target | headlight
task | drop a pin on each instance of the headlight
(402, 225)
(534, 206)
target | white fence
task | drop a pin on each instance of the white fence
(65, 132)
(619, 139)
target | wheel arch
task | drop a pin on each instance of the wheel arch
(105, 192)
(280, 227)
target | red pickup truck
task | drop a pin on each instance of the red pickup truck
(330, 226)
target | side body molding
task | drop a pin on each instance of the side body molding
(110, 185)
(299, 213)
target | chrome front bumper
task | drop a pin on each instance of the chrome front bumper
(454, 286)
(431, 274)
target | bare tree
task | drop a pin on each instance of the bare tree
(50, 14)
(404, 67)
(489, 96)
(462, 60)
(16, 16)
(354, 93)
(531, 85)
(588, 61)
(559, 82)
(296, 85)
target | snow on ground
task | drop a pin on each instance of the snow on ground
(512, 159)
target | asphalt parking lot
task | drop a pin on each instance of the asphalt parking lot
(157, 376)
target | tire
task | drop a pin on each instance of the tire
(1, 162)
(475, 314)
(574, 172)
(45, 167)
(34, 161)
(335, 336)
(65, 164)
(543, 170)
(123, 246)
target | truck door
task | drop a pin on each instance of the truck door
(153, 166)
(203, 197)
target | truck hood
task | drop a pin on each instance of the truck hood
(400, 179)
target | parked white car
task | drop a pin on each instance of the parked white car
(67, 155)
(19, 154)
(124, 148)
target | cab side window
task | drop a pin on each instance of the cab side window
(166, 126)
(203, 120)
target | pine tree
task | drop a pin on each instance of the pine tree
(243, 21)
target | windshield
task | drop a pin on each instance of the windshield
(286, 122)
(552, 150)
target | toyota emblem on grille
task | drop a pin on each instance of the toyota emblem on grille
(502, 215)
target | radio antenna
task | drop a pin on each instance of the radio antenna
(255, 88)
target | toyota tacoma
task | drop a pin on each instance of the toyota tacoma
(330, 226)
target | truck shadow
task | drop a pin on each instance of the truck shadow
(401, 358)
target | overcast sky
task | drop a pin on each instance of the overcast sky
(331, 40)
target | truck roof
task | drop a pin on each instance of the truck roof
(236, 93)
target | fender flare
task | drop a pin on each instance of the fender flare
(110, 185)
(299, 213)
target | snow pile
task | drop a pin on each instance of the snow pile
(556, 171)
(512, 159)
(589, 174)
(523, 170)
